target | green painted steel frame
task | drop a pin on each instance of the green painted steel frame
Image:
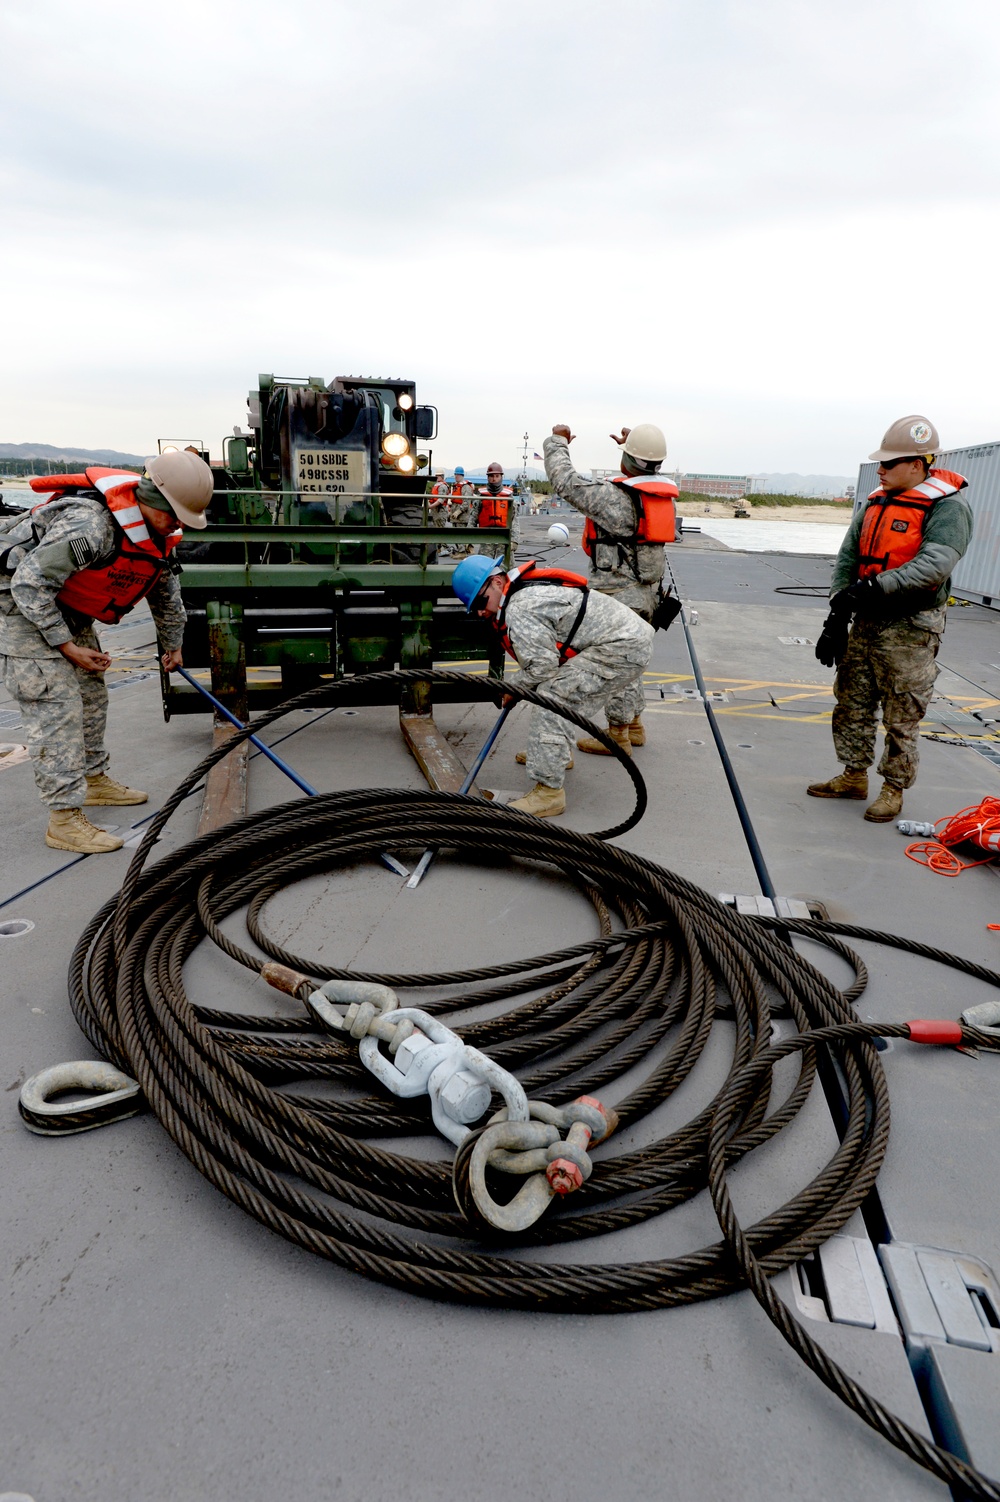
(413, 589)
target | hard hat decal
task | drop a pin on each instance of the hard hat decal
(920, 432)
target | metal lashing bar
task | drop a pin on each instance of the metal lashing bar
(221, 709)
(420, 869)
(389, 861)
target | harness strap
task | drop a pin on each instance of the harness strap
(564, 647)
(518, 580)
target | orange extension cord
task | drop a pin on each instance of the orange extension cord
(977, 825)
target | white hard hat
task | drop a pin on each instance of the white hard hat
(646, 442)
(185, 480)
(559, 532)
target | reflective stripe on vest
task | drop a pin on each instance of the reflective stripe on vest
(494, 510)
(892, 527)
(529, 573)
(654, 500)
(105, 591)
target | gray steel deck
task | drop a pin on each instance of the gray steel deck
(159, 1344)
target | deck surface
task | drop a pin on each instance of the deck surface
(160, 1345)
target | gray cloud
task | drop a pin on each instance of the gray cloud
(712, 205)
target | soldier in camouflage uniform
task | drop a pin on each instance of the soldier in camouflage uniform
(495, 486)
(50, 657)
(463, 509)
(627, 570)
(438, 505)
(612, 646)
(920, 526)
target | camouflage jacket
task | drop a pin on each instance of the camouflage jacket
(71, 534)
(464, 500)
(540, 617)
(630, 571)
(947, 534)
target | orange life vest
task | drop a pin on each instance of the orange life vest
(105, 591)
(655, 513)
(893, 525)
(529, 573)
(441, 491)
(494, 509)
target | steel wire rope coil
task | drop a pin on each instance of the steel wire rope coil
(228, 1087)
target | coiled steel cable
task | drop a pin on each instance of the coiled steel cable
(248, 1097)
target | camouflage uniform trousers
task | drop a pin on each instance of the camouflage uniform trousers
(588, 683)
(498, 549)
(65, 711)
(893, 666)
(464, 513)
(491, 549)
(623, 707)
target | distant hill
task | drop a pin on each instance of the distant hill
(783, 484)
(67, 455)
(819, 485)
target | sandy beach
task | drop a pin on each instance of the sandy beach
(806, 512)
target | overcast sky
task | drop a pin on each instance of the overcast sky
(768, 225)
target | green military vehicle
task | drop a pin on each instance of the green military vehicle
(319, 559)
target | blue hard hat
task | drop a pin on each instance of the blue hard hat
(459, 470)
(470, 576)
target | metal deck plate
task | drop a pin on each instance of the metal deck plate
(160, 1344)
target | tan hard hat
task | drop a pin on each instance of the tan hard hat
(185, 480)
(646, 442)
(912, 437)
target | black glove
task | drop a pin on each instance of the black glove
(832, 643)
(666, 609)
(866, 598)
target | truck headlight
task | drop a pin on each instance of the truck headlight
(395, 444)
(405, 464)
(404, 401)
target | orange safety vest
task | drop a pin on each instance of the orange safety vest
(442, 489)
(495, 507)
(529, 573)
(893, 525)
(655, 513)
(105, 591)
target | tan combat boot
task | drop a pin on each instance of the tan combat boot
(847, 784)
(522, 760)
(637, 731)
(103, 789)
(886, 806)
(618, 733)
(70, 829)
(544, 802)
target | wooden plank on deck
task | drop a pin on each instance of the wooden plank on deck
(435, 757)
(225, 796)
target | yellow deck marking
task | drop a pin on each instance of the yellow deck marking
(822, 718)
(693, 709)
(815, 693)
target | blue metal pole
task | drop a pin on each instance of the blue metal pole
(221, 709)
(487, 748)
(389, 861)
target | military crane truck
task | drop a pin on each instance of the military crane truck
(319, 560)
